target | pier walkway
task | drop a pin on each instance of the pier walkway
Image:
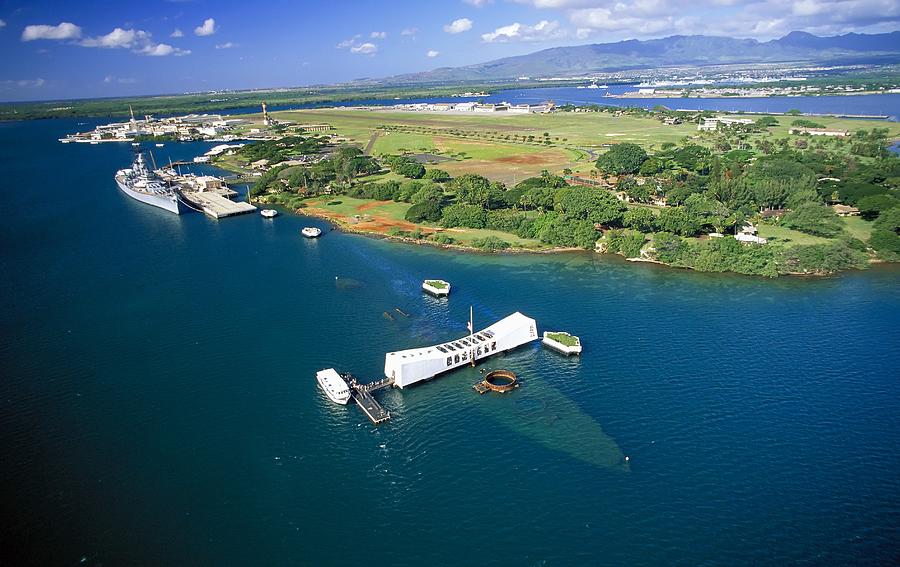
(362, 395)
(216, 205)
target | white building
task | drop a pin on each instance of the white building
(407, 367)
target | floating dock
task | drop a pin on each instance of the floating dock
(362, 395)
(215, 205)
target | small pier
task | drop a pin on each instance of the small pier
(362, 395)
(215, 205)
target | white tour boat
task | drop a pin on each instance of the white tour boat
(269, 213)
(311, 232)
(334, 386)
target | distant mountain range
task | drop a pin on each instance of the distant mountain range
(692, 50)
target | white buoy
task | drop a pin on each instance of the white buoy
(627, 458)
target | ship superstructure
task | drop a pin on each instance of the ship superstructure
(144, 185)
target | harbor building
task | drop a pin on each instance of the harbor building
(407, 367)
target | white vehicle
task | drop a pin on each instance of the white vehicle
(334, 386)
(311, 232)
(269, 213)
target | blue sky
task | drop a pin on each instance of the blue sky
(87, 49)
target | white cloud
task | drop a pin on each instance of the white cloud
(116, 39)
(378, 35)
(138, 41)
(177, 33)
(2, 24)
(226, 45)
(458, 26)
(365, 48)
(409, 31)
(207, 28)
(760, 19)
(433, 53)
(541, 31)
(348, 42)
(478, 3)
(24, 83)
(162, 50)
(121, 80)
(64, 30)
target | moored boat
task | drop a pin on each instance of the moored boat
(145, 186)
(334, 385)
(269, 213)
(311, 232)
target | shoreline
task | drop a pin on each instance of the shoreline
(348, 228)
(338, 224)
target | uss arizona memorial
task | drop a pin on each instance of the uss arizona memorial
(407, 367)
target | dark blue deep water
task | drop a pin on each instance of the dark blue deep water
(159, 405)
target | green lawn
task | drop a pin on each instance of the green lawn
(858, 228)
(563, 338)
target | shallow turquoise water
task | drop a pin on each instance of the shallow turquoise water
(159, 404)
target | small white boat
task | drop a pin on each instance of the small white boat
(311, 232)
(334, 386)
(269, 213)
(160, 145)
(94, 142)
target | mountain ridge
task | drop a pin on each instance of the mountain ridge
(797, 46)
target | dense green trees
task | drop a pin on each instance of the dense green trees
(870, 207)
(815, 219)
(885, 237)
(585, 203)
(462, 214)
(640, 219)
(438, 175)
(478, 191)
(427, 211)
(622, 158)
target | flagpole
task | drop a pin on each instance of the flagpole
(471, 335)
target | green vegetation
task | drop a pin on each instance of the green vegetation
(639, 199)
(564, 338)
(436, 284)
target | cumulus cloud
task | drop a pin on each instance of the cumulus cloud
(458, 26)
(409, 31)
(177, 33)
(117, 38)
(138, 41)
(63, 30)
(207, 28)
(433, 53)
(364, 48)
(761, 19)
(226, 45)
(378, 35)
(541, 31)
(162, 50)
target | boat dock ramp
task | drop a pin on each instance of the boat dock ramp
(362, 395)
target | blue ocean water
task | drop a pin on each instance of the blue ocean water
(159, 405)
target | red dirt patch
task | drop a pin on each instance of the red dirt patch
(372, 205)
(525, 159)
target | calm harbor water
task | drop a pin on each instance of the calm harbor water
(160, 408)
